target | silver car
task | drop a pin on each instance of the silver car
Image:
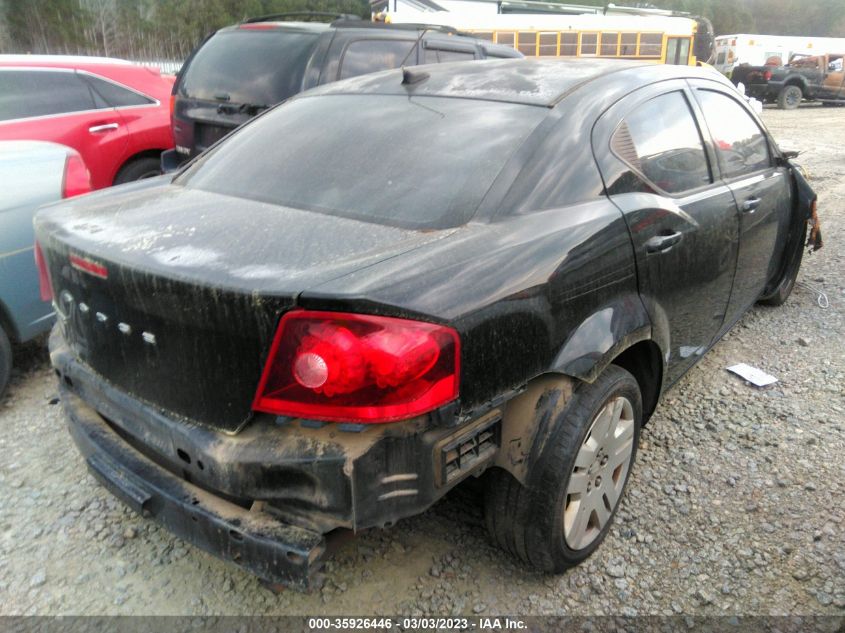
(32, 173)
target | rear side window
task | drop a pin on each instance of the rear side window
(438, 56)
(368, 56)
(113, 95)
(29, 93)
(740, 143)
(416, 162)
(660, 140)
(254, 67)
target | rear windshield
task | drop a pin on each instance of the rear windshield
(416, 162)
(249, 66)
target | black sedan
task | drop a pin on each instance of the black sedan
(386, 285)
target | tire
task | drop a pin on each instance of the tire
(783, 288)
(138, 169)
(539, 522)
(790, 97)
(5, 361)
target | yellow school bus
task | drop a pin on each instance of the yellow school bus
(656, 36)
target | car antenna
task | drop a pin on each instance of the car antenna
(411, 77)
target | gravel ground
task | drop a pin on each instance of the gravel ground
(735, 506)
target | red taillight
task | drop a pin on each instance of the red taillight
(89, 266)
(172, 106)
(767, 75)
(77, 180)
(45, 286)
(358, 368)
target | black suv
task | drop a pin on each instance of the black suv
(244, 69)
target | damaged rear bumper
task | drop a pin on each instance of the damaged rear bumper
(268, 496)
(267, 547)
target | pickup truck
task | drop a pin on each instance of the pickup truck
(816, 77)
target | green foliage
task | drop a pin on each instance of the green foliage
(137, 29)
(169, 29)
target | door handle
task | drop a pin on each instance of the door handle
(660, 243)
(103, 127)
(750, 205)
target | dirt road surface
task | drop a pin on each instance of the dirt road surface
(736, 504)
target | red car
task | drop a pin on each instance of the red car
(116, 114)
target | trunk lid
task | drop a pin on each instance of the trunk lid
(173, 294)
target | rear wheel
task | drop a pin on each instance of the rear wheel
(138, 169)
(5, 361)
(573, 490)
(790, 97)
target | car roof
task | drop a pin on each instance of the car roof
(145, 79)
(540, 82)
(62, 61)
(271, 25)
(345, 26)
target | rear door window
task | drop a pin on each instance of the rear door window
(249, 66)
(660, 141)
(741, 145)
(30, 93)
(369, 56)
(112, 95)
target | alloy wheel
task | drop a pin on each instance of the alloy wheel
(598, 477)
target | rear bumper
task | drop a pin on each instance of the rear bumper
(761, 91)
(264, 497)
(272, 550)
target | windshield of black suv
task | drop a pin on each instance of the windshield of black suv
(416, 162)
(249, 66)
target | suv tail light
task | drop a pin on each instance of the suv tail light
(358, 368)
(767, 74)
(45, 286)
(77, 180)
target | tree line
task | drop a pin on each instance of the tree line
(136, 29)
(169, 29)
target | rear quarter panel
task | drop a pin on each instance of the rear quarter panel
(551, 291)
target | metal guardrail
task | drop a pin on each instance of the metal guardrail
(167, 66)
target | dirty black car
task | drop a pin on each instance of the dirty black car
(490, 269)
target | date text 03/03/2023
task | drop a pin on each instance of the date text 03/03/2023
(418, 624)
